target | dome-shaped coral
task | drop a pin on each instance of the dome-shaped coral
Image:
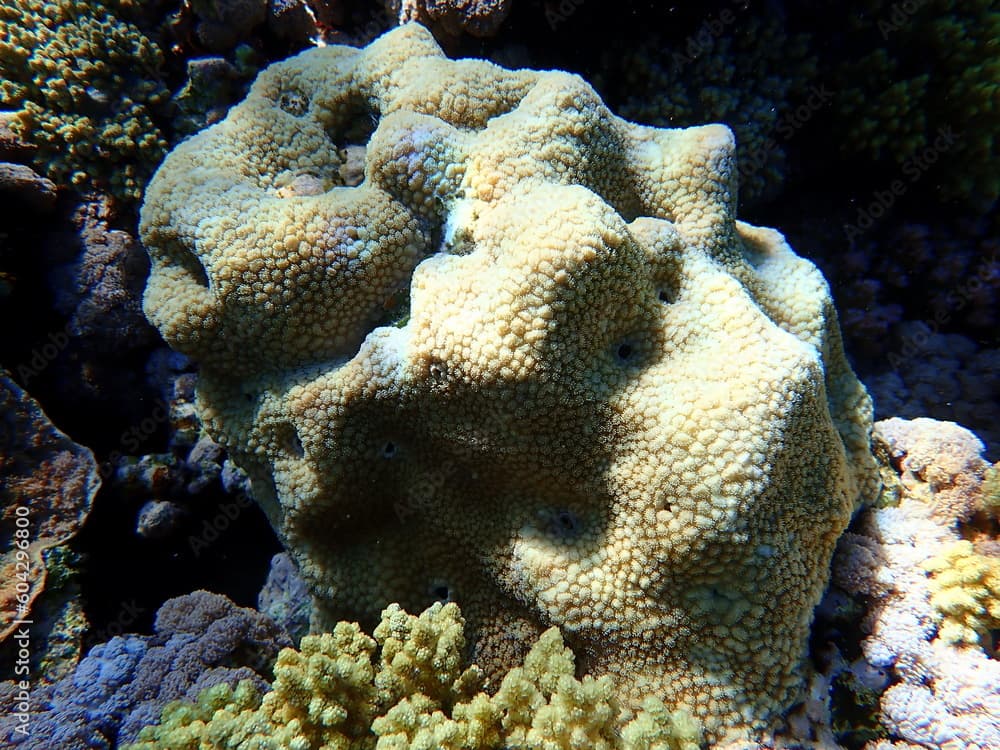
(531, 363)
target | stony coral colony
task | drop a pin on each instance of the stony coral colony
(513, 264)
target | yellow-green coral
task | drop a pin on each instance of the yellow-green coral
(338, 694)
(916, 74)
(965, 588)
(84, 84)
(990, 493)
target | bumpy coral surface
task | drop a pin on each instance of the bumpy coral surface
(405, 689)
(200, 640)
(966, 592)
(531, 363)
(935, 691)
(85, 85)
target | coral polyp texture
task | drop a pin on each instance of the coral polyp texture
(85, 88)
(926, 661)
(530, 362)
(405, 689)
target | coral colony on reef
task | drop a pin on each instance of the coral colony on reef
(548, 444)
(85, 86)
(531, 292)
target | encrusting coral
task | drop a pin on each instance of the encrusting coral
(531, 363)
(405, 689)
(84, 84)
(924, 620)
(47, 486)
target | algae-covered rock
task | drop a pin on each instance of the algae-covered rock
(47, 486)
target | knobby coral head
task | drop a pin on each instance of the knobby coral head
(530, 362)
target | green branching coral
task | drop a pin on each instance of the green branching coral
(405, 689)
(965, 589)
(921, 88)
(748, 73)
(84, 85)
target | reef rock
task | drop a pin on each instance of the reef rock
(531, 363)
(47, 486)
(200, 640)
(480, 18)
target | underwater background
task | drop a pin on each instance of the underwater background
(866, 132)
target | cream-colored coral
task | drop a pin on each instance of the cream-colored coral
(938, 462)
(934, 691)
(532, 363)
(965, 590)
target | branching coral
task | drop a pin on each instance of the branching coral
(406, 690)
(85, 87)
(917, 73)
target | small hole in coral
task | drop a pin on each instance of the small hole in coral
(440, 591)
(193, 270)
(198, 274)
(389, 450)
(625, 351)
(290, 441)
(439, 371)
(567, 523)
(293, 103)
(561, 523)
(665, 296)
